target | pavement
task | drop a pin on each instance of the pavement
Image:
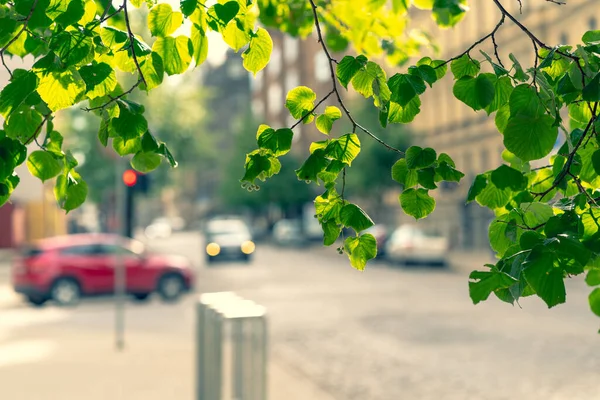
(335, 333)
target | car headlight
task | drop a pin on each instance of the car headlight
(248, 247)
(213, 249)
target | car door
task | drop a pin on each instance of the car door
(86, 264)
(134, 264)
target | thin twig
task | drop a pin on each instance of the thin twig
(313, 109)
(477, 43)
(335, 86)
(38, 129)
(132, 43)
(11, 41)
(113, 99)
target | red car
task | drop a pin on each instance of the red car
(63, 269)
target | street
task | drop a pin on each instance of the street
(335, 333)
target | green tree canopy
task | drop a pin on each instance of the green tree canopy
(546, 225)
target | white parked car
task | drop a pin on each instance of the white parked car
(410, 244)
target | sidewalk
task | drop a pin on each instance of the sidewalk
(8, 298)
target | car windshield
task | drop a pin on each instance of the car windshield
(227, 227)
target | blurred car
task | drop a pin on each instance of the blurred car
(380, 232)
(409, 244)
(163, 227)
(228, 237)
(64, 269)
(288, 232)
(158, 229)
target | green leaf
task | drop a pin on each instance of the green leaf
(153, 70)
(43, 165)
(314, 164)
(188, 7)
(591, 37)
(70, 191)
(464, 66)
(502, 117)
(354, 217)
(404, 115)
(61, 89)
(447, 172)
(328, 207)
(344, 149)
(54, 143)
(129, 124)
(22, 84)
(404, 175)
(568, 222)
(503, 233)
(530, 138)
(483, 283)
(594, 300)
(100, 79)
(544, 278)
(502, 90)
(300, 102)
(176, 53)
(145, 162)
(417, 157)
(73, 13)
(524, 100)
(278, 141)
(348, 67)
(258, 53)
(260, 166)
(226, 12)
(426, 177)
(162, 21)
(417, 203)
(405, 87)
(360, 250)
(332, 231)
(593, 276)
(591, 91)
(448, 13)
(122, 147)
(477, 187)
(364, 79)
(506, 177)
(477, 93)
(200, 43)
(238, 33)
(519, 74)
(166, 153)
(23, 124)
(424, 71)
(493, 197)
(325, 121)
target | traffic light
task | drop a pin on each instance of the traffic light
(135, 182)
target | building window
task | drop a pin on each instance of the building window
(322, 73)
(593, 23)
(274, 67)
(292, 79)
(290, 49)
(275, 98)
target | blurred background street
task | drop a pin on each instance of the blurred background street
(336, 333)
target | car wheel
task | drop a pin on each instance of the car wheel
(37, 300)
(170, 287)
(141, 296)
(65, 292)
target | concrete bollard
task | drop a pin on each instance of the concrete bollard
(226, 320)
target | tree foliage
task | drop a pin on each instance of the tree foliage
(546, 226)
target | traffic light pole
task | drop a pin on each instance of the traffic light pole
(129, 211)
(119, 270)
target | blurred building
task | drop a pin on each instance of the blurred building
(32, 212)
(469, 137)
(294, 62)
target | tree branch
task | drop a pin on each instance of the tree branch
(11, 41)
(38, 130)
(313, 109)
(335, 85)
(113, 99)
(131, 43)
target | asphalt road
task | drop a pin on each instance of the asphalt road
(386, 333)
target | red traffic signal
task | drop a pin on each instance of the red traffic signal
(130, 177)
